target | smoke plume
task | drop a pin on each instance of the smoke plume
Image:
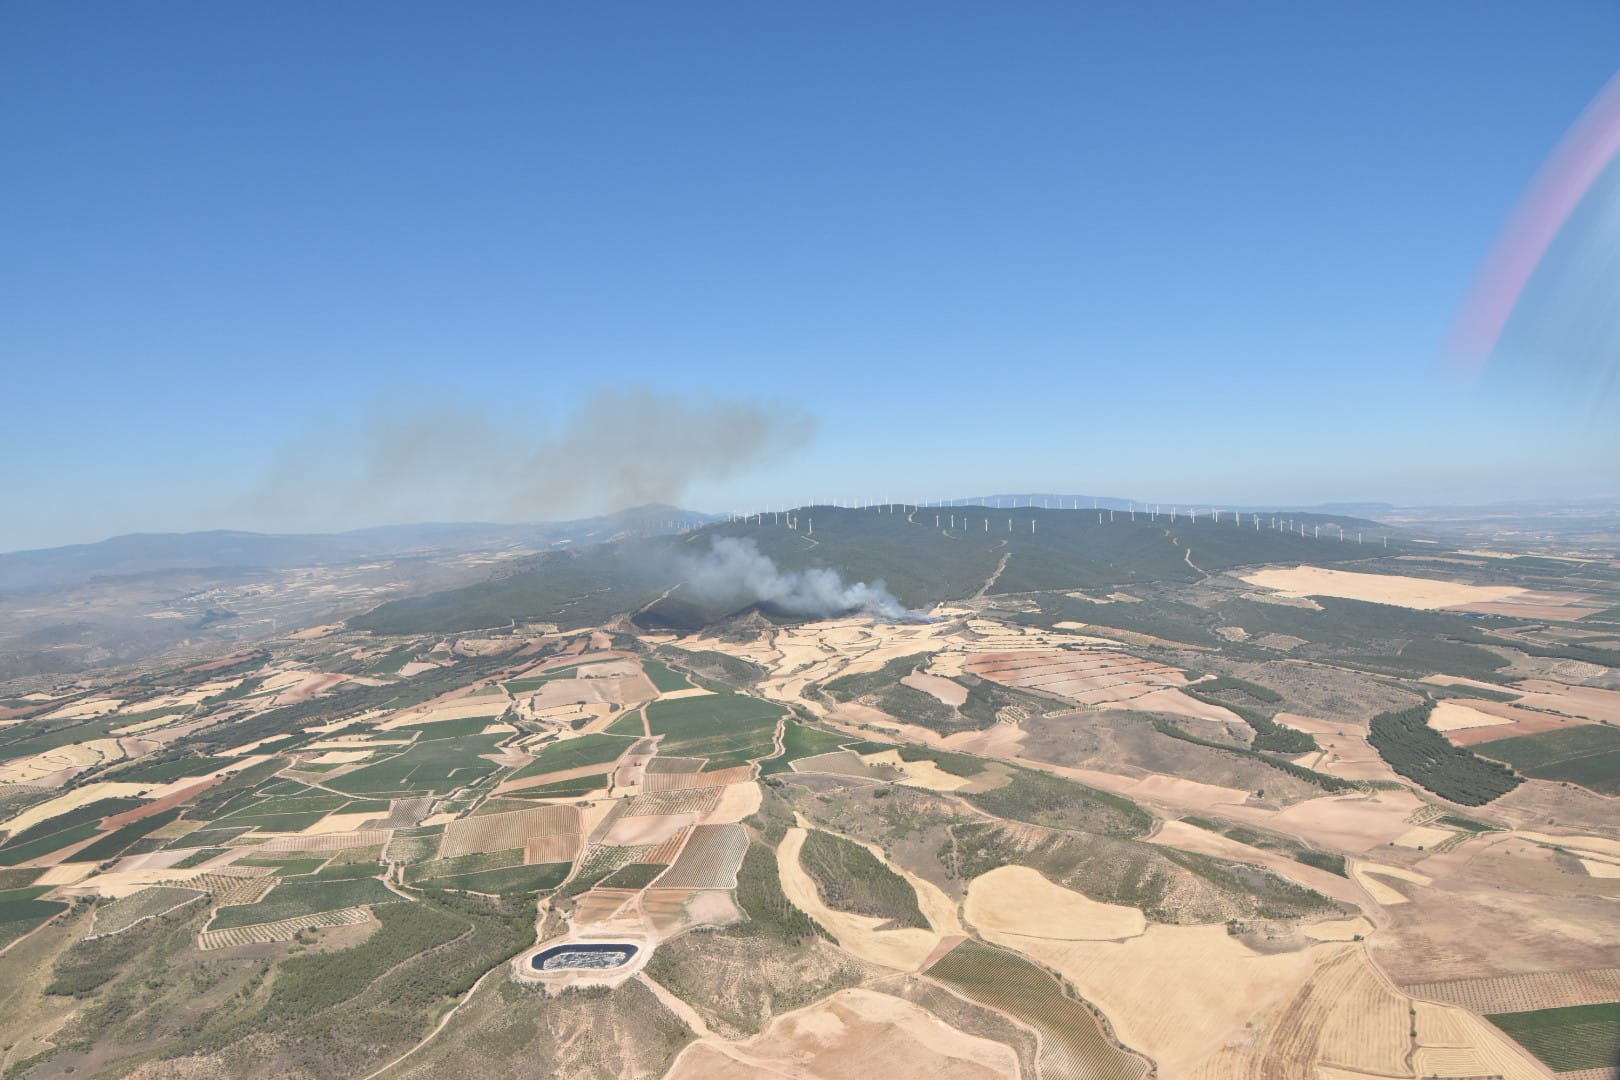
(735, 571)
(459, 462)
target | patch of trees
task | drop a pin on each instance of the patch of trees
(1321, 780)
(1424, 756)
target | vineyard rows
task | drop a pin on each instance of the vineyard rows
(283, 930)
(710, 859)
(1525, 993)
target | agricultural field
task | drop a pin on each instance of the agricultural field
(1073, 1044)
(1094, 812)
(1567, 1039)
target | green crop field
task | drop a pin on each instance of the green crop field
(290, 899)
(1072, 1043)
(801, 741)
(453, 729)
(1588, 754)
(510, 880)
(663, 678)
(21, 910)
(164, 771)
(633, 876)
(728, 729)
(1567, 1039)
(597, 749)
(438, 767)
(115, 842)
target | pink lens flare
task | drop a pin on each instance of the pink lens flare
(1547, 204)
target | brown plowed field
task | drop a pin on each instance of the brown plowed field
(657, 782)
(157, 806)
(689, 801)
(549, 849)
(500, 832)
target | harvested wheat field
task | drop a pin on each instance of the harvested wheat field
(667, 912)
(501, 832)
(1001, 902)
(1375, 879)
(55, 767)
(1588, 702)
(1453, 1043)
(852, 1033)
(1453, 716)
(1176, 993)
(1421, 594)
(1343, 1016)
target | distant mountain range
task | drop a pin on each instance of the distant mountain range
(139, 554)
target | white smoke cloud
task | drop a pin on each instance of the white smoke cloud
(735, 571)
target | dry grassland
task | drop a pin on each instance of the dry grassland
(1185, 837)
(852, 1033)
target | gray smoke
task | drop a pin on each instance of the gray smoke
(457, 462)
(736, 571)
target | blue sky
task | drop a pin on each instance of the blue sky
(1170, 252)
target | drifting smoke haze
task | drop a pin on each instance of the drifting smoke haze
(458, 462)
(735, 571)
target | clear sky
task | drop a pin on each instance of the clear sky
(294, 266)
